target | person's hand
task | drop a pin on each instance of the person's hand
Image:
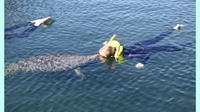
(139, 65)
(113, 67)
(104, 43)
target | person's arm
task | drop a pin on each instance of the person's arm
(111, 63)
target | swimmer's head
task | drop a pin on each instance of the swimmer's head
(48, 22)
(106, 51)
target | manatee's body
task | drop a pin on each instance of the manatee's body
(49, 63)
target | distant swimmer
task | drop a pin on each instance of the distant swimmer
(111, 49)
(31, 26)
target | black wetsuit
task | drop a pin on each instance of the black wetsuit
(144, 49)
(22, 34)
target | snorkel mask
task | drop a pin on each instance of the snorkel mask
(48, 22)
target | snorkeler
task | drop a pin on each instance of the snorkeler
(32, 25)
(142, 50)
(112, 48)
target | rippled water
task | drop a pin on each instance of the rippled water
(165, 84)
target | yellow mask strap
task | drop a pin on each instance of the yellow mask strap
(112, 38)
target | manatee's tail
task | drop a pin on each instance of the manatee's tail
(11, 68)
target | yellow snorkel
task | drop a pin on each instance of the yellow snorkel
(112, 38)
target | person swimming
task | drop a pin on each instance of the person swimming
(33, 25)
(143, 50)
(112, 48)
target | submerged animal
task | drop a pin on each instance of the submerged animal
(49, 63)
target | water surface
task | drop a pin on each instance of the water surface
(165, 84)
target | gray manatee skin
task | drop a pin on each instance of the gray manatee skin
(48, 63)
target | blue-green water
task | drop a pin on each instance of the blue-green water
(165, 84)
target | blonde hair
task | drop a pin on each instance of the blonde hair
(107, 51)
